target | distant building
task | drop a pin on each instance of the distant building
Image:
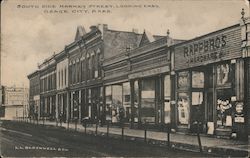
(15, 102)
(34, 94)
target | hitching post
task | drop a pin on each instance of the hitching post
(198, 135)
(96, 126)
(145, 130)
(68, 124)
(168, 132)
(76, 124)
(108, 129)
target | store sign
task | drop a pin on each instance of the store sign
(149, 72)
(209, 49)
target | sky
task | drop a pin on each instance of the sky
(29, 34)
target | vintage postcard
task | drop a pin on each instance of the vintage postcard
(125, 78)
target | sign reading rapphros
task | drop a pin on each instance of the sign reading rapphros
(204, 50)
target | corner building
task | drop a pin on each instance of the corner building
(211, 76)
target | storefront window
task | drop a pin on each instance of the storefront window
(108, 95)
(197, 79)
(95, 102)
(167, 91)
(108, 98)
(183, 109)
(148, 100)
(224, 107)
(136, 98)
(126, 101)
(223, 74)
(89, 102)
(197, 98)
(116, 105)
(183, 79)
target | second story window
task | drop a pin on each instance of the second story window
(59, 79)
(62, 78)
(65, 76)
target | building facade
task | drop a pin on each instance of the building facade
(137, 82)
(48, 88)
(34, 94)
(15, 102)
(62, 84)
(210, 83)
(143, 79)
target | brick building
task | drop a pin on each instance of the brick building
(34, 94)
(155, 80)
(47, 71)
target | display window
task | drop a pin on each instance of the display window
(136, 98)
(223, 74)
(167, 92)
(197, 98)
(116, 104)
(224, 108)
(126, 111)
(197, 79)
(183, 108)
(148, 100)
(108, 95)
(183, 79)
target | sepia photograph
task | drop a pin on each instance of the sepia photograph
(125, 78)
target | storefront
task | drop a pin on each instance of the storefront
(210, 83)
(62, 102)
(152, 97)
(150, 84)
(118, 102)
(86, 103)
(48, 106)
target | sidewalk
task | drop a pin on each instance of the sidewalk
(211, 145)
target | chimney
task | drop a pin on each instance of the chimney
(135, 30)
(102, 28)
(92, 27)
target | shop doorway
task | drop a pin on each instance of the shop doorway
(197, 103)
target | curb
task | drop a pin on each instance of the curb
(216, 151)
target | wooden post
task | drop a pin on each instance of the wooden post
(68, 124)
(198, 135)
(75, 124)
(145, 131)
(85, 127)
(96, 127)
(132, 100)
(108, 129)
(122, 130)
(168, 131)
